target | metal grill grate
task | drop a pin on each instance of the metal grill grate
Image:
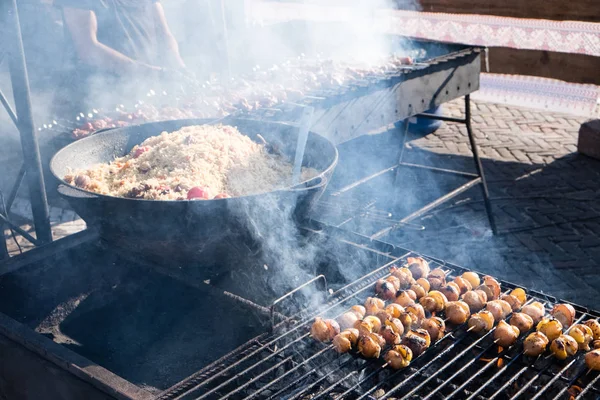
(289, 364)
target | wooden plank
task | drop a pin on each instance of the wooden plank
(577, 10)
(577, 68)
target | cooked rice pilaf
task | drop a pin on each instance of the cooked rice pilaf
(195, 162)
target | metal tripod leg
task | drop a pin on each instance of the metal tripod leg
(478, 166)
(31, 152)
(402, 148)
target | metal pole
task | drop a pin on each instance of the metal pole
(478, 166)
(4, 255)
(29, 143)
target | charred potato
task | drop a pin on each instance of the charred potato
(550, 327)
(492, 283)
(383, 316)
(346, 340)
(419, 290)
(399, 357)
(505, 334)
(592, 360)
(404, 277)
(435, 326)
(483, 321)
(463, 285)
(582, 335)
(406, 298)
(564, 313)
(451, 291)
(390, 336)
(519, 294)
(513, 301)
(499, 309)
(535, 310)
(369, 347)
(417, 311)
(324, 330)
(437, 278)
(364, 328)
(360, 311)
(418, 267)
(392, 331)
(371, 324)
(417, 341)
(424, 283)
(522, 321)
(476, 300)
(374, 322)
(396, 325)
(472, 277)
(373, 305)
(563, 346)
(385, 289)
(409, 320)
(378, 339)
(457, 312)
(535, 344)
(491, 287)
(394, 310)
(434, 302)
(394, 281)
(595, 327)
(347, 320)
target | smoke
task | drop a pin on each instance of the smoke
(261, 39)
(289, 259)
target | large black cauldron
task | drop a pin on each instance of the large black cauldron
(186, 229)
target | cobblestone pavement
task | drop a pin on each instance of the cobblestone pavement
(546, 200)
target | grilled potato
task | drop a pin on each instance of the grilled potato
(522, 321)
(563, 346)
(457, 312)
(482, 321)
(550, 327)
(506, 334)
(582, 335)
(535, 344)
(399, 357)
(564, 313)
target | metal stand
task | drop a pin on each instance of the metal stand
(476, 179)
(23, 119)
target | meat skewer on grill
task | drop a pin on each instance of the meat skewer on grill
(535, 344)
(563, 346)
(583, 335)
(592, 360)
(399, 356)
(505, 334)
(522, 321)
(383, 324)
(457, 312)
